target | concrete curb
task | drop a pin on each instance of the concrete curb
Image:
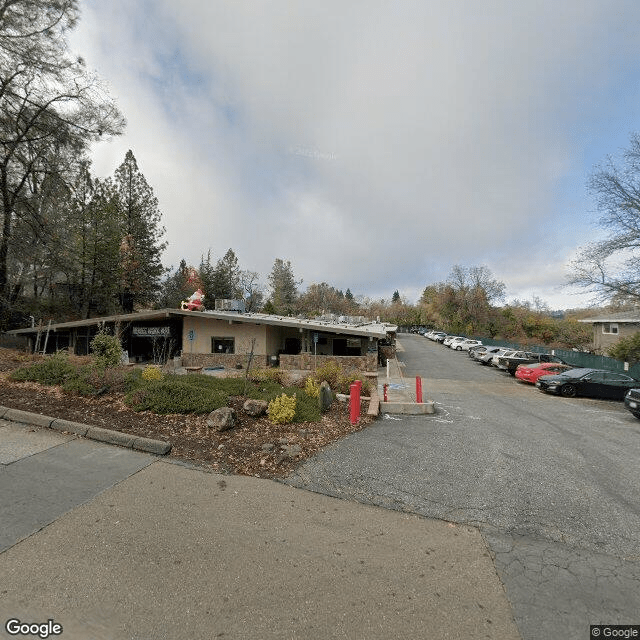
(109, 436)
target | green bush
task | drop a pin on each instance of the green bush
(176, 394)
(53, 370)
(307, 409)
(106, 349)
(92, 379)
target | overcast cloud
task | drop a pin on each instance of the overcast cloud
(373, 144)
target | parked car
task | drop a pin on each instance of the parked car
(447, 341)
(496, 356)
(465, 345)
(512, 362)
(475, 352)
(441, 337)
(455, 342)
(595, 383)
(632, 401)
(531, 372)
(504, 362)
(485, 358)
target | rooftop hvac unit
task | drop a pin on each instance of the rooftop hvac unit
(230, 305)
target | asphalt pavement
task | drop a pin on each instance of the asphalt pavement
(112, 543)
(551, 484)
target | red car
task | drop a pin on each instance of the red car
(531, 372)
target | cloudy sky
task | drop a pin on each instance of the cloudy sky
(373, 144)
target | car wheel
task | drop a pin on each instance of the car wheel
(636, 414)
(458, 348)
(568, 391)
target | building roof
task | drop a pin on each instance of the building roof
(632, 317)
(369, 329)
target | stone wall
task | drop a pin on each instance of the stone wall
(308, 362)
(226, 360)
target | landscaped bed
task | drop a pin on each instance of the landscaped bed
(255, 446)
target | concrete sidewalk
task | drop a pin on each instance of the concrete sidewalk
(401, 391)
(173, 552)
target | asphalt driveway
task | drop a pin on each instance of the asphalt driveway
(551, 483)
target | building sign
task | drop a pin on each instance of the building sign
(151, 332)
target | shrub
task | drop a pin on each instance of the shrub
(282, 409)
(176, 394)
(312, 387)
(339, 380)
(330, 371)
(107, 349)
(347, 380)
(274, 375)
(152, 372)
(307, 409)
(53, 370)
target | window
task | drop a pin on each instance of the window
(223, 345)
(617, 377)
(609, 328)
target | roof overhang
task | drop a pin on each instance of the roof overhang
(371, 330)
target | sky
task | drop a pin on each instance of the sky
(373, 144)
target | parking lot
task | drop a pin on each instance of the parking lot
(552, 483)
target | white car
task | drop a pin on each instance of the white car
(485, 358)
(449, 339)
(497, 356)
(465, 345)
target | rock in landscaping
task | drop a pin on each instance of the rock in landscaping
(268, 446)
(289, 452)
(255, 407)
(222, 419)
(325, 398)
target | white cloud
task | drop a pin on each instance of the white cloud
(374, 145)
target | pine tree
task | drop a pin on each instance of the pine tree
(141, 233)
(284, 288)
(225, 282)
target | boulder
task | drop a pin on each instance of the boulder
(325, 398)
(255, 407)
(222, 419)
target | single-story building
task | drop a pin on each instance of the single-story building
(609, 328)
(225, 338)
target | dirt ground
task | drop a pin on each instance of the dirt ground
(253, 447)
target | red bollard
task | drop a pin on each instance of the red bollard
(354, 402)
(418, 389)
(384, 388)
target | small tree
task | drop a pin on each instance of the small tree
(627, 349)
(106, 349)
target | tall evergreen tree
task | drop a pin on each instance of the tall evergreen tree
(141, 234)
(284, 288)
(225, 284)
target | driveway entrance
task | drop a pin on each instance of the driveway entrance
(551, 483)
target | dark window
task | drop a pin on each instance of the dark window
(223, 345)
(292, 346)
